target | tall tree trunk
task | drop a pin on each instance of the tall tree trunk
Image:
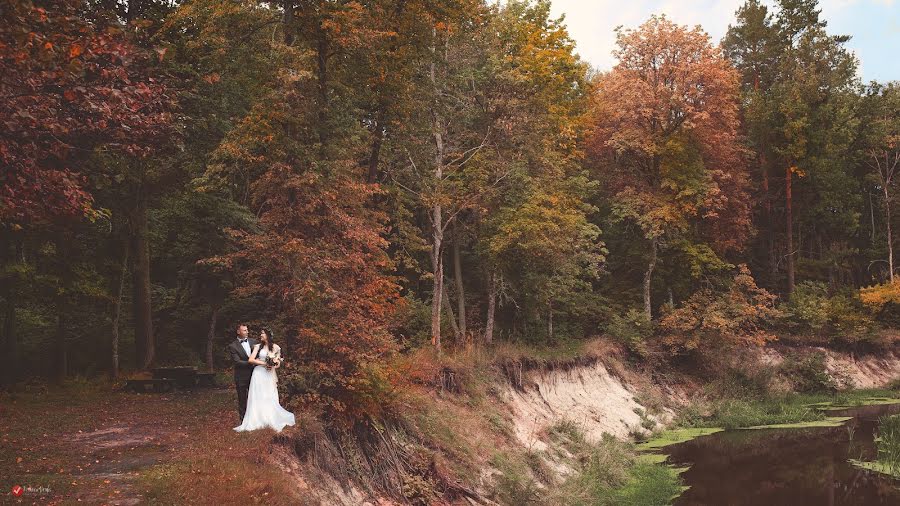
(770, 226)
(437, 286)
(375, 154)
(140, 273)
(290, 30)
(458, 276)
(890, 237)
(437, 223)
(872, 218)
(322, 48)
(10, 340)
(491, 309)
(211, 336)
(62, 308)
(789, 226)
(114, 366)
(648, 278)
(445, 301)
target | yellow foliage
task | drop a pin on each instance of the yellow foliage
(878, 295)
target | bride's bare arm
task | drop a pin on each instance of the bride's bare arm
(252, 358)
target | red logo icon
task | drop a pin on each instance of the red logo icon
(17, 490)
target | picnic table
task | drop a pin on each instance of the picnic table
(166, 379)
(154, 385)
(184, 376)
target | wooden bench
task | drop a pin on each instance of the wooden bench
(155, 385)
(184, 377)
(206, 379)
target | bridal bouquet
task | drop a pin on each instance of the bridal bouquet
(273, 359)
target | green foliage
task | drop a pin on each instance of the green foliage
(632, 329)
(808, 373)
(888, 443)
(841, 316)
(610, 473)
(807, 309)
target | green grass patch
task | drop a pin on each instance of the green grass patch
(855, 403)
(675, 436)
(887, 444)
(734, 413)
(876, 466)
(650, 484)
(611, 472)
(831, 421)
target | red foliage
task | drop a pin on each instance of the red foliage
(320, 259)
(67, 87)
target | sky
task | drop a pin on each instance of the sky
(873, 24)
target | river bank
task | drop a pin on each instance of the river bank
(501, 426)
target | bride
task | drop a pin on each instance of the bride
(263, 407)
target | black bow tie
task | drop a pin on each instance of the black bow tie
(243, 340)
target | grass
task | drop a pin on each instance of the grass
(831, 421)
(887, 445)
(787, 411)
(612, 472)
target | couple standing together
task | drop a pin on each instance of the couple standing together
(255, 362)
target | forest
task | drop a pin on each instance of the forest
(374, 178)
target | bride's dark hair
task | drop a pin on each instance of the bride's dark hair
(270, 339)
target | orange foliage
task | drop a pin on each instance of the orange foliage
(318, 259)
(711, 318)
(878, 295)
(673, 95)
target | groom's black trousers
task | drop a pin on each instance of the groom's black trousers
(243, 389)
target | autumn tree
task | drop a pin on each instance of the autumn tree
(69, 86)
(82, 89)
(665, 140)
(534, 231)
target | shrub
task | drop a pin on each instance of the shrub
(736, 315)
(884, 301)
(888, 443)
(632, 329)
(808, 373)
(843, 316)
(849, 321)
(807, 309)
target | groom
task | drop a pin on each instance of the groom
(239, 351)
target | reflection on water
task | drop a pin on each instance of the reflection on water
(787, 466)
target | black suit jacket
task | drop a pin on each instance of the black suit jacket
(242, 369)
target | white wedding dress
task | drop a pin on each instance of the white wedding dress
(263, 407)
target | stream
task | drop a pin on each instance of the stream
(774, 467)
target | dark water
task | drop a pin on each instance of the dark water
(774, 467)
